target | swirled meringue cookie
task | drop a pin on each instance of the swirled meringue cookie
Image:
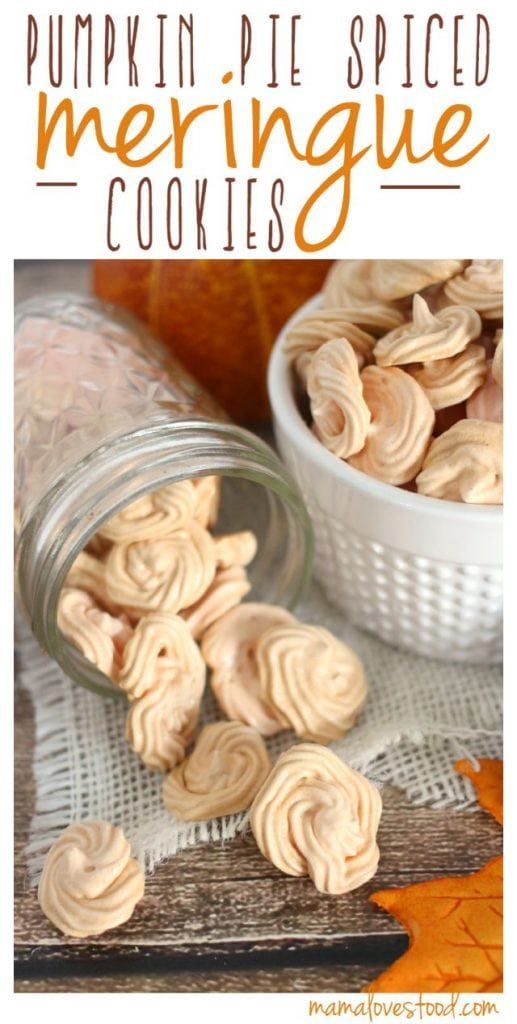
(161, 723)
(402, 421)
(396, 279)
(101, 637)
(229, 648)
(479, 286)
(449, 381)
(168, 574)
(90, 883)
(497, 362)
(340, 413)
(89, 573)
(369, 313)
(222, 775)
(428, 336)
(465, 464)
(153, 515)
(316, 816)
(233, 549)
(227, 590)
(161, 641)
(384, 280)
(309, 333)
(487, 402)
(315, 683)
(208, 494)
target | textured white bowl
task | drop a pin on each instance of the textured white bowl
(423, 574)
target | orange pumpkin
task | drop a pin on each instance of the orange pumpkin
(220, 317)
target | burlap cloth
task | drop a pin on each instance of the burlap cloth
(420, 716)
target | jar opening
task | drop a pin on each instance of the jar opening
(257, 494)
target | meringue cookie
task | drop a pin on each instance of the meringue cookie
(161, 723)
(162, 640)
(487, 402)
(229, 649)
(308, 334)
(167, 574)
(153, 515)
(315, 683)
(89, 881)
(227, 590)
(235, 549)
(479, 286)
(428, 336)
(208, 494)
(465, 464)
(385, 280)
(340, 413)
(497, 362)
(99, 636)
(396, 279)
(316, 816)
(226, 769)
(402, 421)
(89, 573)
(449, 381)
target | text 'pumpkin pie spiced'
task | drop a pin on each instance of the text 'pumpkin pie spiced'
(402, 421)
(316, 816)
(229, 648)
(465, 464)
(428, 335)
(222, 775)
(340, 413)
(89, 882)
(314, 682)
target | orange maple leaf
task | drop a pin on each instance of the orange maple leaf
(454, 924)
(488, 781)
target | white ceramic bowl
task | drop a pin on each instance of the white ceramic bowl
(423, 574)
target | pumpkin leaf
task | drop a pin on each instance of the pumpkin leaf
(455, 925)
(488, 782)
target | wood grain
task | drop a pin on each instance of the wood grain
(278, 979)
(217, 914)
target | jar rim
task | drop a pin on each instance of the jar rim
(113, 475)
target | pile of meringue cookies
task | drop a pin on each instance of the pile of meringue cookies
(154, 600)
(403, 370)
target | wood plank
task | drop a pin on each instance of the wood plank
(306, 979)
(215, 899)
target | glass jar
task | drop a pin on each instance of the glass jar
(103, 415)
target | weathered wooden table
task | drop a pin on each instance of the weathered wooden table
(220, 917)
